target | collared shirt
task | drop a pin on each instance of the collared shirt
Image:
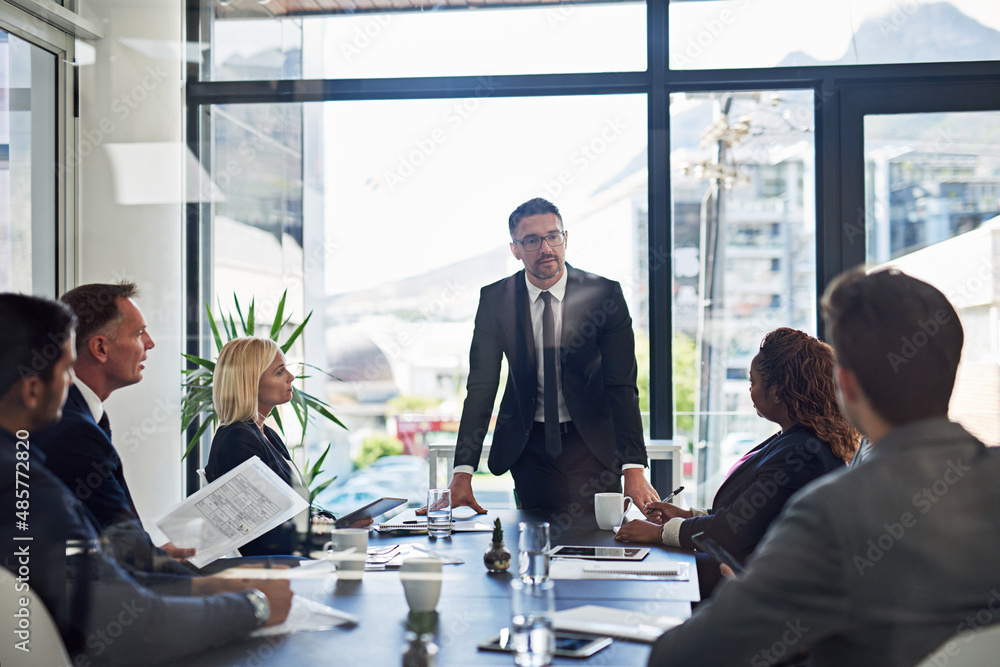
(537, 305)
(93, 402)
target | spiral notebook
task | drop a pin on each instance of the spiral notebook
(585, 569)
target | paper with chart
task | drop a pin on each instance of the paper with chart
(240, 506)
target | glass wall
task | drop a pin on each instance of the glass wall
(27, 168)
(933, 211)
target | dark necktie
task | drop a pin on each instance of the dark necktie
(105, 424)
(553, 443)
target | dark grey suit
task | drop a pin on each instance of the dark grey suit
(597, 365)
(872, 566)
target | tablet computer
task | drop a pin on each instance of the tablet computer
(369, 511)
(599, 553)
(568, 644)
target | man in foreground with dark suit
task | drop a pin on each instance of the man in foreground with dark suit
(112, 343)
(879, 564)
(55, 548)
(568, 424)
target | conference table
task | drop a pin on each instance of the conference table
(474, 604)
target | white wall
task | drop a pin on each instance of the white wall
(130, 221)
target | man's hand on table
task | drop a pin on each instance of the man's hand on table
(461, 494)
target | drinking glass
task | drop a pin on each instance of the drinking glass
(532, 635)
(533, 552)
(439, 512)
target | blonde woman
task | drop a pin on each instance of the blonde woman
(250, 380)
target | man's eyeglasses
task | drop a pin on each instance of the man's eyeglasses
(533, 243)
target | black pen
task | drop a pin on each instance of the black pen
(673, 493)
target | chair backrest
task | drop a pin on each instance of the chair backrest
(972, 648)
(31, 637)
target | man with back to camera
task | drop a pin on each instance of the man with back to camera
(112, 342)
(566, 440)
(881, 563)
(46, 531)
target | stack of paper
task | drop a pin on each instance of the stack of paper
(306, 614)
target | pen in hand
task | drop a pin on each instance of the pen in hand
(673, 493)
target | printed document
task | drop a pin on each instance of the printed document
(240, 506)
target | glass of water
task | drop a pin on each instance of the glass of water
(532, 636)
(533, 552)
(439, 512)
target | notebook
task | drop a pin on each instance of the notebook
(588, 569)
(620, 623)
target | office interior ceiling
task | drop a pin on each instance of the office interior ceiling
(247, 9)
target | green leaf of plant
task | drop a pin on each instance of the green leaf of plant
(277, 420)
(239, 311)
(215, 328)
(251, 323)
(295, 334)
(210, 365)
(276, 325)
(196, 437)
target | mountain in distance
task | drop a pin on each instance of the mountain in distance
(449, 292)
(936, 32)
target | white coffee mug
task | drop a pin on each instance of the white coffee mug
(609, 508)
(421, 579)
(352, 565)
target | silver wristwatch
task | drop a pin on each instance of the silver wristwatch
(261, 606)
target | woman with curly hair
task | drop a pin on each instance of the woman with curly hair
(791, 384)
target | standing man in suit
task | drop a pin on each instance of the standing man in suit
(878, 564)
(111, 346)
(568, 424)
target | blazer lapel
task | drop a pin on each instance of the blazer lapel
(523, 333)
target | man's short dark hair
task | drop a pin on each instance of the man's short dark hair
(900, 337)
(96, 307)
(536, 206)
(32, 337)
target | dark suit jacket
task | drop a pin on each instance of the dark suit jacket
(753, 496)
(80, 454)
(152, 628)
(871, 566)
(598, 367)
(238, 442)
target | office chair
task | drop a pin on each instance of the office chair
(972, 648)
(46, 645)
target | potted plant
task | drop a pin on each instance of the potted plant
(497, 559)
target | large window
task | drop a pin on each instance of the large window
(933, 200)
(715, 138)
(804, 33)
(744, 229)
(27, 167)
